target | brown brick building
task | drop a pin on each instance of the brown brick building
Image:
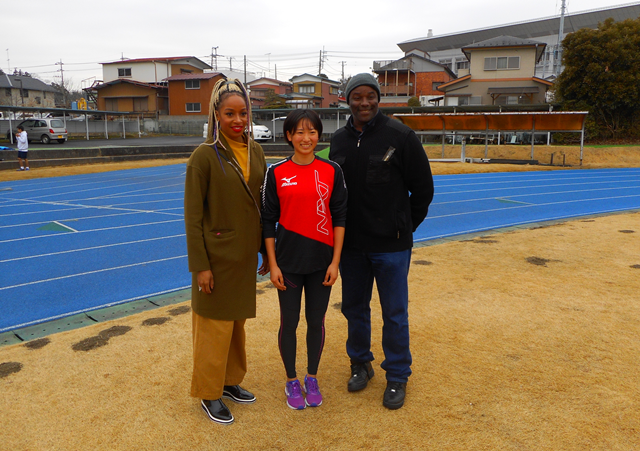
(412, 75)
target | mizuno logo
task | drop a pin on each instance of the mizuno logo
(286, 181)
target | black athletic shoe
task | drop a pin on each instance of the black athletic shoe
(217, 411)
(360, 375)
(238, 394)
(394, 395)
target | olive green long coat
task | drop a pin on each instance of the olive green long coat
(222, 220)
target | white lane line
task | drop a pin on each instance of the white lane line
(478, 199)
(95, 179)
(502, 188)
(97, 207)
(538, 205)
(64, 226)
(533, 176)
(509, 201)
(149, 202)
(57, 235)
(53, 279)
(127, 193)
(102, 188)
(24, 224)
(110, 304)
(92, 248)
(512, 224)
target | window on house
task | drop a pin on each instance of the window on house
(38, 100)
(185, 71)
(307, 89)
(462, 65)
(124, 72)
(7, 92)
(44, 94)
(447, 62)
(192, 84)
(25, 93)
(193, 107)
(140, 104)
(334, 91)
(111, 104)
(502, 63)
(435, 84)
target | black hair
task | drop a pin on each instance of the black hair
(295, 117)
(20, 127)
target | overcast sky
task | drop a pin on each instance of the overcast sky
(278, 35)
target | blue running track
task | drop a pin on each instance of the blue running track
(79, 243)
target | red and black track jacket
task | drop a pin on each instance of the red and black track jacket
(307, 202)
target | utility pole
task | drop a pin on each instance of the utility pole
(214, 57)
(560, 35)
(245, 70)
(230, 68)
(64, 89)
(343, 63)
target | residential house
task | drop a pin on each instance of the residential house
(501, 72)
(24, 90)
(258, 90)
(313, 91)
(445, 48)
(139, 85)
(189, 94)
(413, 75)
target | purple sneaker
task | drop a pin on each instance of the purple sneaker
(295, 400)
(314, 397)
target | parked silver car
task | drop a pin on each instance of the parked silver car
(260, 132)
(44, 130)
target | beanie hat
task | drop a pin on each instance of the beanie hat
(362, 80)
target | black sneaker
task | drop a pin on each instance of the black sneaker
(217, 411)
(238, 394)
(394, 395)
(360, 375)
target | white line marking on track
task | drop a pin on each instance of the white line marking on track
(65, 226)
(479, 199)
(534, 205)
(92, 248)
(100, 188)
(502, 188)
(55, 235)
(110, 304)
(53, 279)
(512, 224)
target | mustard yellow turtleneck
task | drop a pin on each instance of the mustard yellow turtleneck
(241, 152)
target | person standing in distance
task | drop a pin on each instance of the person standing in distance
(23, 148)
(390, 188)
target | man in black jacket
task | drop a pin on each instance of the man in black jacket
(390, 188)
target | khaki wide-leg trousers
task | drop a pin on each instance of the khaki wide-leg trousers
(219, 356)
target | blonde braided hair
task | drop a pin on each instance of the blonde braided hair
(221, 90)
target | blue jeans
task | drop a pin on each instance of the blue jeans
(390, 271)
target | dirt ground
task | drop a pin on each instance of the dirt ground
(525, 340)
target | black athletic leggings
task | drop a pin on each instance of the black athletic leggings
(316, 300)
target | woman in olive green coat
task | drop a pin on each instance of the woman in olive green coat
(222, 220)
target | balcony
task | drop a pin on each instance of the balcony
(392, 90)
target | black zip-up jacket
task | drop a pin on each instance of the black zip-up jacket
(389, 190)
